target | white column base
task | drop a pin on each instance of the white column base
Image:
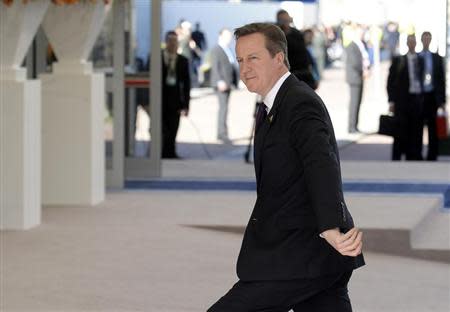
(20, 154)
(73, 158)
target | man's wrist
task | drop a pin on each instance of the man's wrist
(326, 233)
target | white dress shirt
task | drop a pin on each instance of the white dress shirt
(414, 79)
(270, 96)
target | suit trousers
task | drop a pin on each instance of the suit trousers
(408, 140)
(323, 294)
(429, 114)
(222, 128)
(356, 91)
(170, 124)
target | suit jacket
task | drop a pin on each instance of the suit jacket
(438, 78)
(221, 68)
(353, 64)
(398, 80)
(180, 99)
(299, 192)
(299, 60)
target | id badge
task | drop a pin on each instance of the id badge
(171, 81)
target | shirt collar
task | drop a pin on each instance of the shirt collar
(270, 97)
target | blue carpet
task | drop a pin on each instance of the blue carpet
(228, 185)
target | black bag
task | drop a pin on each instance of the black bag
(388, 125)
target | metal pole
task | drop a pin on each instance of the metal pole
(118, 95)
(155, 89)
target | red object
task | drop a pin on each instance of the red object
(134, 82)
(442, 126)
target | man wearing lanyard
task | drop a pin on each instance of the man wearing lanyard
(434, 92)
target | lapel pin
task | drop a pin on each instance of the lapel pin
(270, 119)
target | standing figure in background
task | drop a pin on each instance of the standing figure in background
(391, 38)
(176, 86)
(199, 37)
(319, 45)
(223, 78)
(308, 35)
(433, 92)
(301, 65)
(198, 45)
(404, 88)
(356, 69)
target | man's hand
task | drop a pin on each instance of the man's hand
(391, 107)
(348, 244)
(184, 112)
(222, 86)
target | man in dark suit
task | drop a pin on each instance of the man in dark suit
(176, 86)
(434, 92)
(356, 68)
(404, 88)
(300, 245)
(301, 65)
(223, 78)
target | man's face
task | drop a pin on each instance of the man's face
(257, 68)
(172, 43)
(411, 43)
(426, 40)
(284, 19)
(308, 37)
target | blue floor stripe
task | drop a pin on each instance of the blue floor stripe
(359, 187)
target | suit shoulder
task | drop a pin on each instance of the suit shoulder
(301, 98)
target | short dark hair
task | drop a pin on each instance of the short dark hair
(275, 38)
(426, 33)
(170, 33)
(280, 12)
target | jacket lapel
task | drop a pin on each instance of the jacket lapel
(265, 127)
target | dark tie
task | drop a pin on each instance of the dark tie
(261, 114)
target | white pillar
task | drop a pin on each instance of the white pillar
(73, 99)
(20, 124)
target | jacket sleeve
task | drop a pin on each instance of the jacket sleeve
(392, 80)
(186, 87)
(312, 137)
(440, 83)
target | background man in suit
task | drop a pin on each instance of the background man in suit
(294, 254)
(404, 88)
(223, 77)
(301, 65)
(434, 92)
(176, 86)
(356, 68)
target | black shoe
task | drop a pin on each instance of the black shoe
(171, 156)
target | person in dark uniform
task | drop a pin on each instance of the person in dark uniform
(176, 86)
(301, 65)
(404, 88)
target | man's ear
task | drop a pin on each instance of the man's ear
(280, 58)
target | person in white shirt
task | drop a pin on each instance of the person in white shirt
(433, 91)
(356, 70)
(223, 78)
